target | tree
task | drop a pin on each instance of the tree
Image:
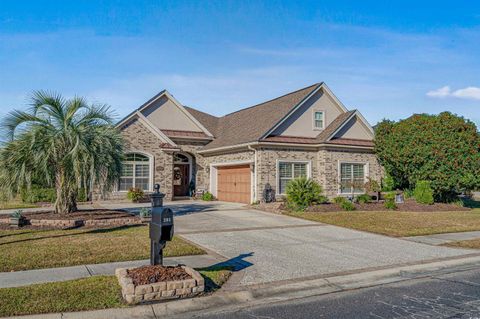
(443, 149)
(63, 142)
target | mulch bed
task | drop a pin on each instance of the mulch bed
(92, 214)
(151, 274)
(410, 205)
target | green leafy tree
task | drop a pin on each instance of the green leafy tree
(65, 143)
(444, 149)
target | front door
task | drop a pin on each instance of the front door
(181, 179)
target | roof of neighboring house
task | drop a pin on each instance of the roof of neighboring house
(250, 124)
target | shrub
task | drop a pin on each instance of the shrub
(364, 199)
(449, 160)
(347, 205)
(82, 195)
(388, 183)
(390, 204)
(339, 199)
(322, 199)
(135, 194)
(423, 193)
(207, 196)
(408, 193)
(303, 192)
(145, 212)
(38, 194)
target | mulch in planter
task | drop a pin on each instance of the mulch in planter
(150, 274)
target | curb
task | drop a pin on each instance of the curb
(276, 293)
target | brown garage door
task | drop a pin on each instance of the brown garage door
(233, 184)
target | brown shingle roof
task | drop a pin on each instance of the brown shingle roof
(252, 123)
(209, 121)
(351, 141)
(327, 132)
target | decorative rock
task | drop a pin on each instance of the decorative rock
(143, 289)
(172, 285)
(159, 286)
(160, 290)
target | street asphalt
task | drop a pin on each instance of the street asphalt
(454, 295)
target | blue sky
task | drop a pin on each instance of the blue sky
(389, 59)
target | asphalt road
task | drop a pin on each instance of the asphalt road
(445, 296)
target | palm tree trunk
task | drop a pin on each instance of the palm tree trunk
(66, 201)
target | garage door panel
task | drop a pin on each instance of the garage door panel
(234, 183)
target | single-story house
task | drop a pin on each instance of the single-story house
(308, 132)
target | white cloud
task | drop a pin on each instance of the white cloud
(470, 92)
(441, 92)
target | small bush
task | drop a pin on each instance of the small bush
(390, 204)
(364, 199)
(423, 193)
(408, 193)
(145, 212)
(347, 205)
(303, 192)
(38, 194)
(322, 199)
(207, 196)
(388, 184)
(339, 199)
(135, 194)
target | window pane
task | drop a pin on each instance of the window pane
(142, 183)
(127, 170)
(319, 119)
(346, 171)
(318, 115)
(142, 170)
(180, 158)
(125, 183)
(299, 170)
(283, 185)
(285, 170)
(357, 170)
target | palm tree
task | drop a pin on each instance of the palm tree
(62, 142)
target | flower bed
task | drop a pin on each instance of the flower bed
(149, 283)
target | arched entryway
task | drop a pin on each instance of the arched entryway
(182, 174)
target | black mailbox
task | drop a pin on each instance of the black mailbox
(161, 227)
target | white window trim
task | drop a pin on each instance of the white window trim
(150, 168)
(323, 119)
(277, 179)
(366, 174)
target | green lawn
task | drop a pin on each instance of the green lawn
(400, 224)
(98, 292)
(34, 249)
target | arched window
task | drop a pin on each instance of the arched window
(135, 172)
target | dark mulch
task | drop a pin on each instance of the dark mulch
(410, 205)
(150, 274)
(81, 215)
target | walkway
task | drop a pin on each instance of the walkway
(440, 239)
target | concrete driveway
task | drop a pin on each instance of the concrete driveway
(269, 247)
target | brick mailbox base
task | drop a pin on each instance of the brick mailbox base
(160, 290)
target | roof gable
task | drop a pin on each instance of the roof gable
(252, 123)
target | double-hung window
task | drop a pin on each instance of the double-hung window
(352, 178)
(288, 171)
(135, 173)
(318, 119)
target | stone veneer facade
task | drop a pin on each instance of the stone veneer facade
(324, 163)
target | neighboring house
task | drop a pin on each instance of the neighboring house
(304, 133)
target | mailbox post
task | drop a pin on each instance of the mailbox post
(161, 227)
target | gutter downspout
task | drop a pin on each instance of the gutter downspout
(255, 170)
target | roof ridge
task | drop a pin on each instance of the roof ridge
(279, 97)
(197, 110)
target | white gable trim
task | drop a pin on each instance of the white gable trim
(177, 104)
(362, 120)
(292, 111)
